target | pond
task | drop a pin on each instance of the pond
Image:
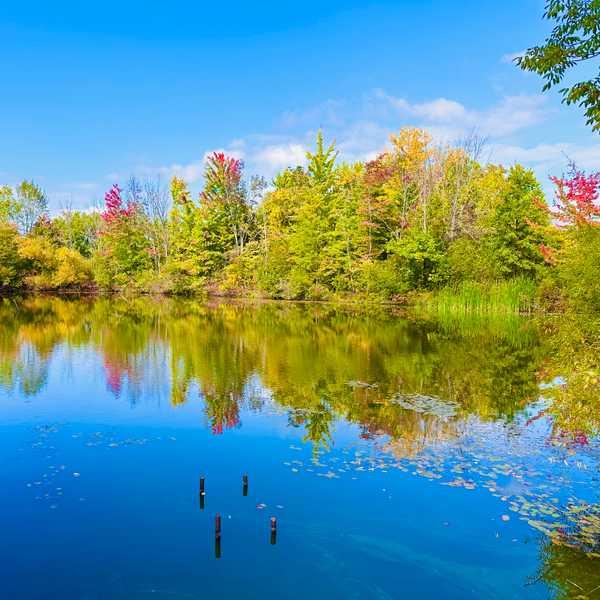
(402, 456)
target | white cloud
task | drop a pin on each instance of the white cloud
(364, 133)
(547, 159)
(548, 155)
(279, 156)
(509, 115)
(440, 110)
(190, 172)
(363, 140)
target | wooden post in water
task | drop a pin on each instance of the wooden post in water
(273, 531)
(245, 485)
(217, 535)
(202, 493)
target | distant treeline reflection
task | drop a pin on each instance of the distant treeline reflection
(318, 363)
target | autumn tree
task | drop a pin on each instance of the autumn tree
(225, 204)
(577, 258)
(122, 253)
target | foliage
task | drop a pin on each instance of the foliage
(575, 253)
(184, 263)
(578, 265)
(49, 267)
(11, 267)
(577, 198)
(22, 206)
(122, 253)
(417, 218)
(78, 231)
(518, 225)
(420, 261)
(575, 38)
(8, 208)
(224, 208)
(32, 205)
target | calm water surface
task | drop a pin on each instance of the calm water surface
(402, 457)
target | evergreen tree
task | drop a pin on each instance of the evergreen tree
(518, 225)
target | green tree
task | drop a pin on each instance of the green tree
(11, 266)
(518, 225)
(313, 228)
(184, 264)
(78, 230)
(419, 259)
(575, 38)
(275, 217)
(31, 205)
(8, 205)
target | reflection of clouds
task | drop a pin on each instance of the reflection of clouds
(425, 433)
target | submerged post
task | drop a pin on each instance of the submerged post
(217, 535)
(245, 485)
(273, 531)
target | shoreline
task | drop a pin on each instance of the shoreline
(425, 302)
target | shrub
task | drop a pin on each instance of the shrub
(72, 269)
(420, 260)
(11, 264)
(578, 268)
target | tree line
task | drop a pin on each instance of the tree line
(417, 219)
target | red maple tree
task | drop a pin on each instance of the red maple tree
(114, 206)
(577, 198)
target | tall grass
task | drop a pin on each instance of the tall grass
(512, 297)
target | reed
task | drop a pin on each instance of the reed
(515, 296)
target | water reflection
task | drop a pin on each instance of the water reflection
(500, 407)
(318, 363)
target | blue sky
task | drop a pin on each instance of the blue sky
(94, 91)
